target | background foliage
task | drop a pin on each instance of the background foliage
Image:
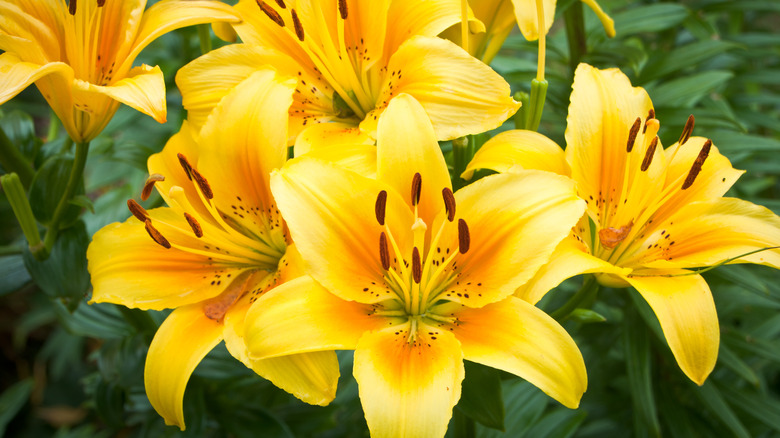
(70, 369)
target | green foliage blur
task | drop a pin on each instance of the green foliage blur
(69, 369)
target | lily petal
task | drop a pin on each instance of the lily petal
(331, 216)
(181, 342)
(408, 389)
(18, 75)
(686, 311)
(25, 34)
(300, 316)
(514, 336)
(515, 220)
(358, 158)
(312, 377)
(460, 94)
(527, 17)
(323, 136)
(143, 89)
(525, 149)
(406, 144)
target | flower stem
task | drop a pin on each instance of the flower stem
(205, 38)
(587, 292)
(20, 205)
(76, 173)
(575, 34)
(13, 161)
(462, 153)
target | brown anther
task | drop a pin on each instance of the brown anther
(271, 13)
(416, 188)
(155, 235)
(72, 7)
(205, 188)
(632, 133)
(297, 25)
(379, 207)
(101, 3)
(149, 185)
(611, 237)
(281, 4)
(185, 165)
(464, 239)
(343, 9)
(138, 211)
(384, 254)
(449, 203)
(196, 228)
(687, 130)
(697, 165)
(650, 116)
(649, 154)
(416, 266)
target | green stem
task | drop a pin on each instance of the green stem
(588, 291)
(536, 104)
(13, 161)
(74, 180)
(20, 205)
(205, 38)
(461, 156)
(521, 116)
(575, 34)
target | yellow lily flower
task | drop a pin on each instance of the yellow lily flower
(219, 245)
(657, 213)
(80, 55)
(499, 18)
(416, 279)
(351, 58)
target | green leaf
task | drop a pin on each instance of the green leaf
(637, 345)
(684, 57)
(759, 406)
(64, 274)
(651, 18)
(109, 403)
(13, 275)
(760, 347)
(525, 404)
(47, 188)
(84, 202)
(12, 400)
(730, 142)
(728, 358)
(688, 90)
(20, 129)
(586, 316)
(481, 397)
(560, 423)
(711, 397)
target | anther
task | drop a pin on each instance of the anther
(101, 3)
(697, 165)
(464, 239)
(632, 133)
(687, 130)
(649, 154)
(205, 188)
(138, 211)
(650, 116)
(149, 185)
(416, 266)
(297, 25)
(343, 9)
(271, 13)
(379, 207)
(72, 7)
(155, 235)
(281, 4)
(416, 188)
(194, 225)
(185, 165)
(384, 254)
(449, 203)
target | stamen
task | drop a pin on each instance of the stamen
(343, 9)
(697, 165)
(185, 165)
(281, 4)
(72, 7)
(384, 254)
(138, 211)
(271, 13)
(416, 266)
(650, 116)
(156, 236)
(205, 188)
(149, 185)
(101, 3)
(649, 154)
(416, 188)
(687, 130)
(464, 239)
(379, 207)
(632, 133)
(449, 203)
(196, 228)
(297, 25)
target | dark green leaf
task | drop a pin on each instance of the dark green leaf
(525, 404)
(651, 18)
(728, 358)
(481, 396)
(637, 346)
(711, 397)
(20, 129)
(12, 400)
(686, 91)
(47, 188)
(13, 275)
(586, 316)
(684, 57)
(560, 423)
(759, 406)
(64, 274)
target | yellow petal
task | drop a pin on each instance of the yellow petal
(525, 149)
(516, 337)
(312, 377)
(406, 145)
(408, 389)
(16, 75)
(23, 32)
(460, 94)
(179, 345)
(331, 216)
(129, 268)
(300, 316)
(142, 89)
(606, 21)
(358, 158)
(528, 20)
(684, 307)
(570, 258)
(224, 31)
(322, 136)
(515, 221)
(710, 232)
